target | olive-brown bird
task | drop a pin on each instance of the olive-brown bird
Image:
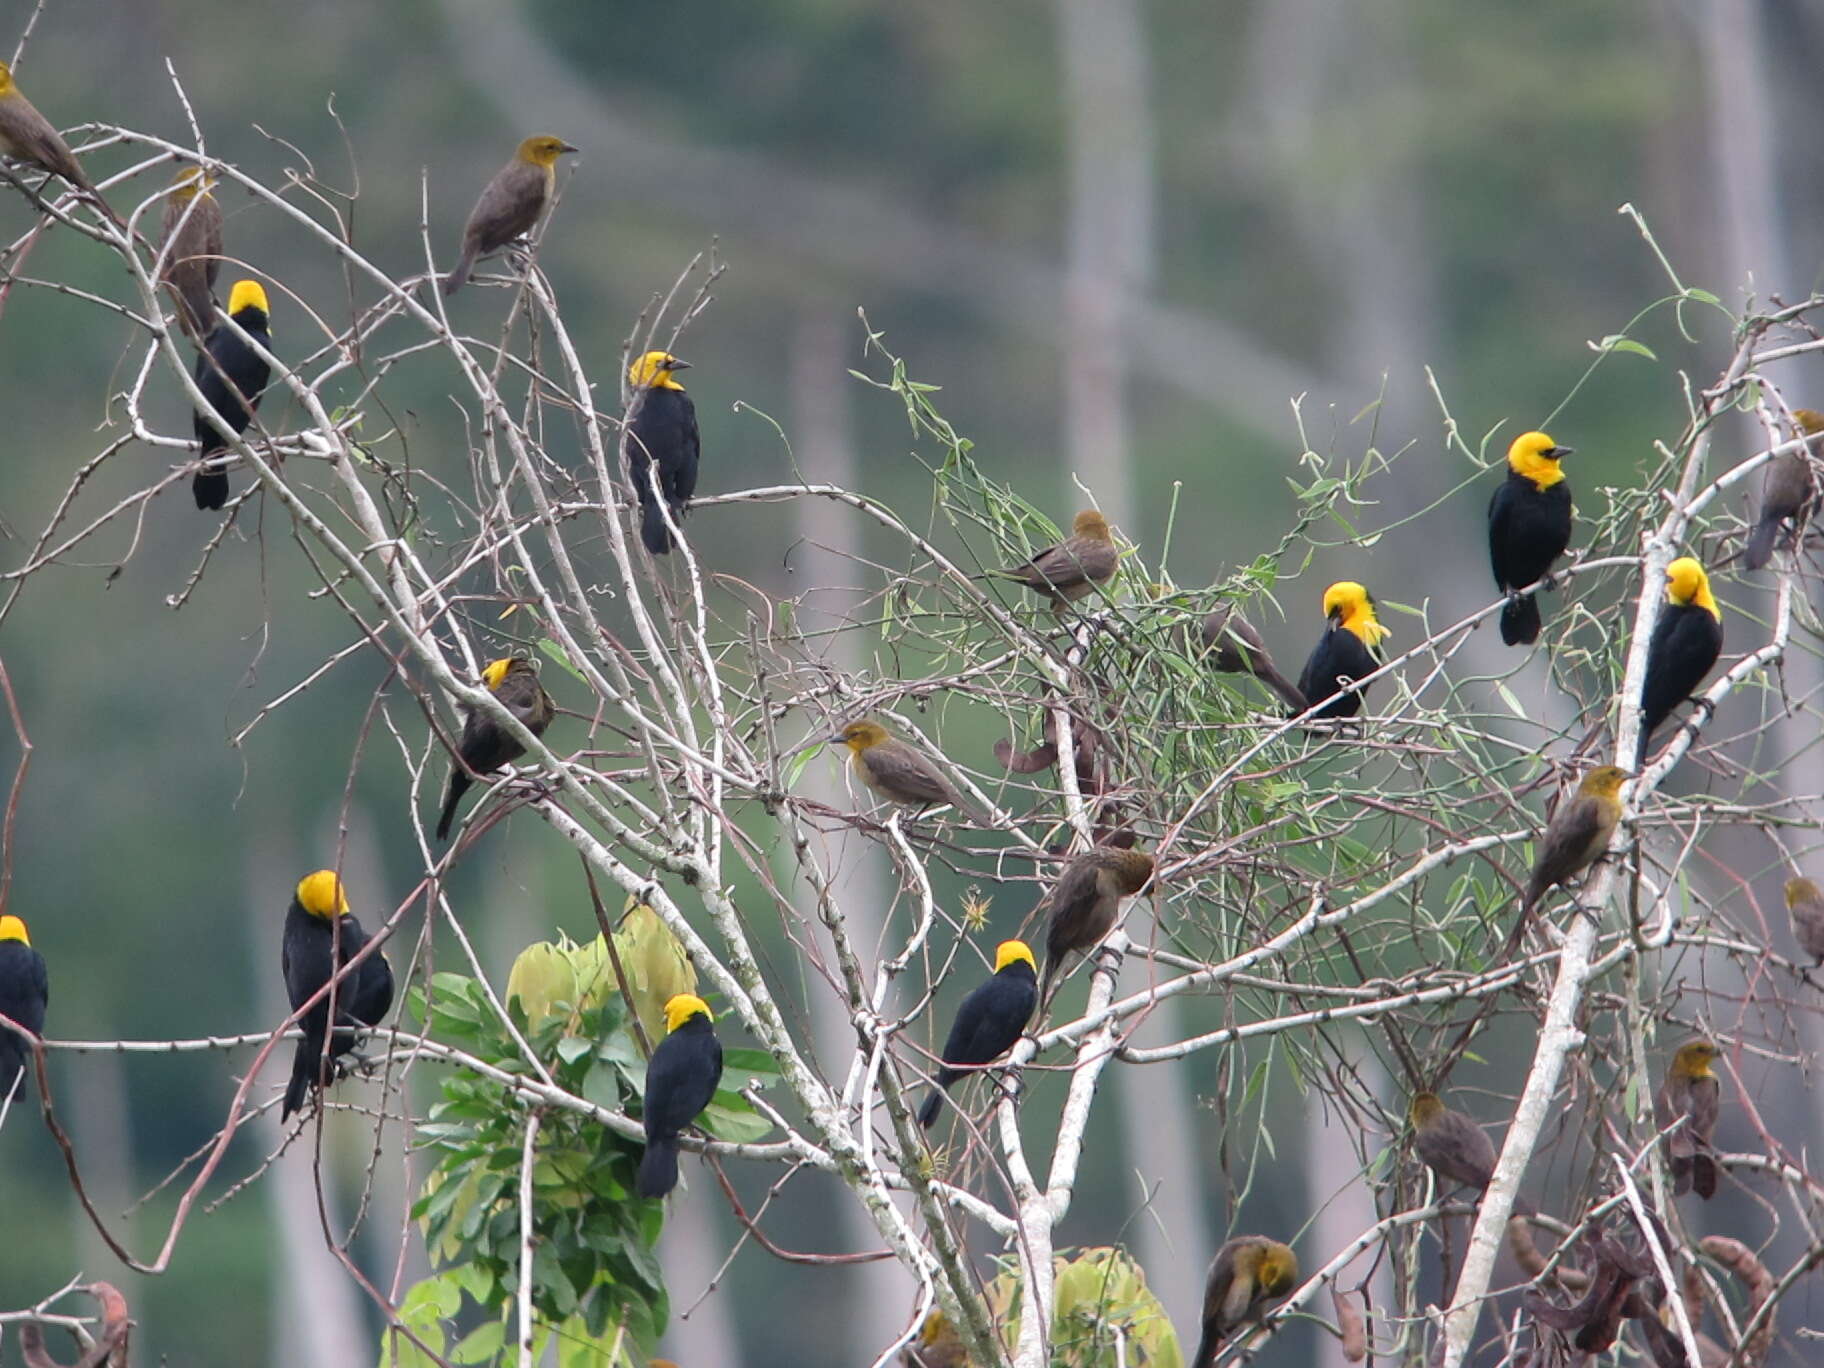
(896, 770)
(1685, 644)
(511, 204)
(1805, 904)
(27, 136)
(938, 1346)
(1345, 652)
(1788, 491)
(1529, 525)
(1081, 907)
(1072, 568)
(485, 745)
(1247, 1273)
(1691, 1093)
(191, 248)
(1453, 1146)
(1578, 834)
(1232, 646)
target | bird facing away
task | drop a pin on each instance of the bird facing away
(894, 769)
(1071, 569)
(1453, 1146)
(661, 435)
(1247, 1273)
(191, 246)
(1685, 644)
(681, 1078)
(1232, 646)
(321, 936)
(1529, 525)
(1081, 907)
(232, 377)
(1788, 492)
(511, 204)
(1692, 1093)
(25, 991)
(27, 136)
(485, 745)
(1578, 834)
(1344, 654)
(988, 1022)
(1806, 906)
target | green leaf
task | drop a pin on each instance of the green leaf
(1618, 342)
(732, 1118)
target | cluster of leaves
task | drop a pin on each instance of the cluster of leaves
(1103, 1313)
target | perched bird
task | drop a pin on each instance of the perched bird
(681, 1077)
(318, 920)
(1453, 1146)
(988, 1023)
(1529, 525)
(191, 246)
(1247, 1273)
(1685, 645)
(232, 377)
(894, 769)
(1071, 569)
(1691, 1093)
(1232, 646)
(1578, 834)
(1081, 907)
(1806, 906)
(1787, 492)
(511, 204)
(485, 745)
(27, 136)
(25, 991)
(1345, 653)
(661, 434)
(938, 1346)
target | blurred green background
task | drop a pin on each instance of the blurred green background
(1123, 237)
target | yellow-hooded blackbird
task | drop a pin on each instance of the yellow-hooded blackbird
(191, 245)
(1345, 653)
(661, 438)
(1691, 1093)
(1232, 646)
(988, 1023)
(1578, 834)
(1529, 525)
(894, 769)
(25, 991)
(1072, 568)
(485, 745)
(1247, 1273)
(1805, 904)
(317, 922)
(27, 136)
(1685, 645)
(232, 377)
(681, 1078)
(1787, 492)
(1081, 907)
(511, 203)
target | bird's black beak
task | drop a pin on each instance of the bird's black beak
(1558, 453)
(677, 365)
(834, 737)
(566, 147)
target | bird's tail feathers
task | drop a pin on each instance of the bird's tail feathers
(653, 531)
(459, 785)
(1520, 620)
(658, 1167)
(1760, 545)
(1282, 686)
(210, 488)
(927, 1114)
(460, 276)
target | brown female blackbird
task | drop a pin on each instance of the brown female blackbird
(1691, 1093)
(1081, 907)
(511, 203)
(1071, 569)
(1247, 1273)
(485, 745)
(1232, 646)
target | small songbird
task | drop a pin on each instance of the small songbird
(1247, 1273)
(661, 436)
(485, 745)
(1071, 569)
(1529, 525)
(511, 204)
(1232, 646)
(317, 921)
(988, 1022)
(191, 247)
(1081, 907)
(1690, 1093)
(25, 992)
(1685, 644)
(1345, 652)
(232, 377)
(27, 136)
(1578, 834)
(1806, 906)
(1453, 1146)
(894, 769)
(1788, 492)
(681, 1078)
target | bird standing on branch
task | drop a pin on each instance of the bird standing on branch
(681, 1078)
(662, 438)
(25, 992)
(1578, 834)
(1691, 1094)
(1081, 907)
(1529, 525)
(894, 769)
(1685, 644)
(232, 376)
(485, 745)
(1074, 567)
(321, 936)
(511, 204)
(1344, 654)
(1247, 1273)
(1805, 905)
(191, 246)
(988, 1022)
(27, 136)
(1788, 492)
